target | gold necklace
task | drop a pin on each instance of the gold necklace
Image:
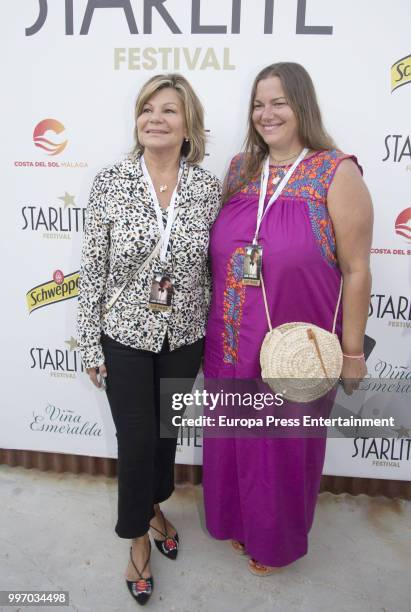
(279, 161)
(163, 187)
(280, 173)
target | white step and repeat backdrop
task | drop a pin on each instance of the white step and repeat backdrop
(71, 73)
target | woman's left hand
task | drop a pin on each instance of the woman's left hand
(353, 371)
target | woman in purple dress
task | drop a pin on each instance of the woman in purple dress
(261, 492)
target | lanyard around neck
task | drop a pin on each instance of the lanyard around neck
(263, 189)
(165, 232)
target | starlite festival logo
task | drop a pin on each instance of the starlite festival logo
(398, 150)
(403, 224)
(152, 14)
(395, 310)
(401, 73)
(62, 362)
(384, 452)
(58, 289)
(58, 221)
(40, 140)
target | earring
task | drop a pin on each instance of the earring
(186, 140)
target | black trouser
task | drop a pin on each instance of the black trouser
(145, 460)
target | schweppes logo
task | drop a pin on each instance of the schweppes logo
(401, 73)
(58, 289)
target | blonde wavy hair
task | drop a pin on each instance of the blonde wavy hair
(194, 149)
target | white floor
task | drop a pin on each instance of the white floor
(56, 532)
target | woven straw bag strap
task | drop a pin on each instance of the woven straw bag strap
(268, 314)
(143, 266)
(270, 327)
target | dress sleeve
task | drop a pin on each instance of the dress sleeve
(93, 276)
(233, 177)
(341, 157)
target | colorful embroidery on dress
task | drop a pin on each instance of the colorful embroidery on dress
(310, 182)
(234, 180)
(323, 231)
(234, 296)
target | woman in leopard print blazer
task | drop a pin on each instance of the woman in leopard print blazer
(158, 192)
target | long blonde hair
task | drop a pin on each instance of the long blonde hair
(300, 93)
(194, 149)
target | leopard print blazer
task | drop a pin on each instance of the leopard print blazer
(121, 231)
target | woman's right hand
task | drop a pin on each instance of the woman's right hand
(95, 372)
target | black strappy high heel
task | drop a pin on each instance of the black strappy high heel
(169, 546)
(142, 588)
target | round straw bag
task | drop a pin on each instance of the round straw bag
(299, 360)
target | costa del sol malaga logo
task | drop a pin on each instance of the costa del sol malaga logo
(48, 143)
(403, 224)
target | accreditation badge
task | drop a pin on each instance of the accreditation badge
(161, 294)
(253, 259)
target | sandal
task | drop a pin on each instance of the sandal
(259, 569)
(142, 588)
(169, 545)
(238, 547)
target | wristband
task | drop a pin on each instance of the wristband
(354, 356)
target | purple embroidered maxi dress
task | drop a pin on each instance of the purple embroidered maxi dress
(262, 491)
